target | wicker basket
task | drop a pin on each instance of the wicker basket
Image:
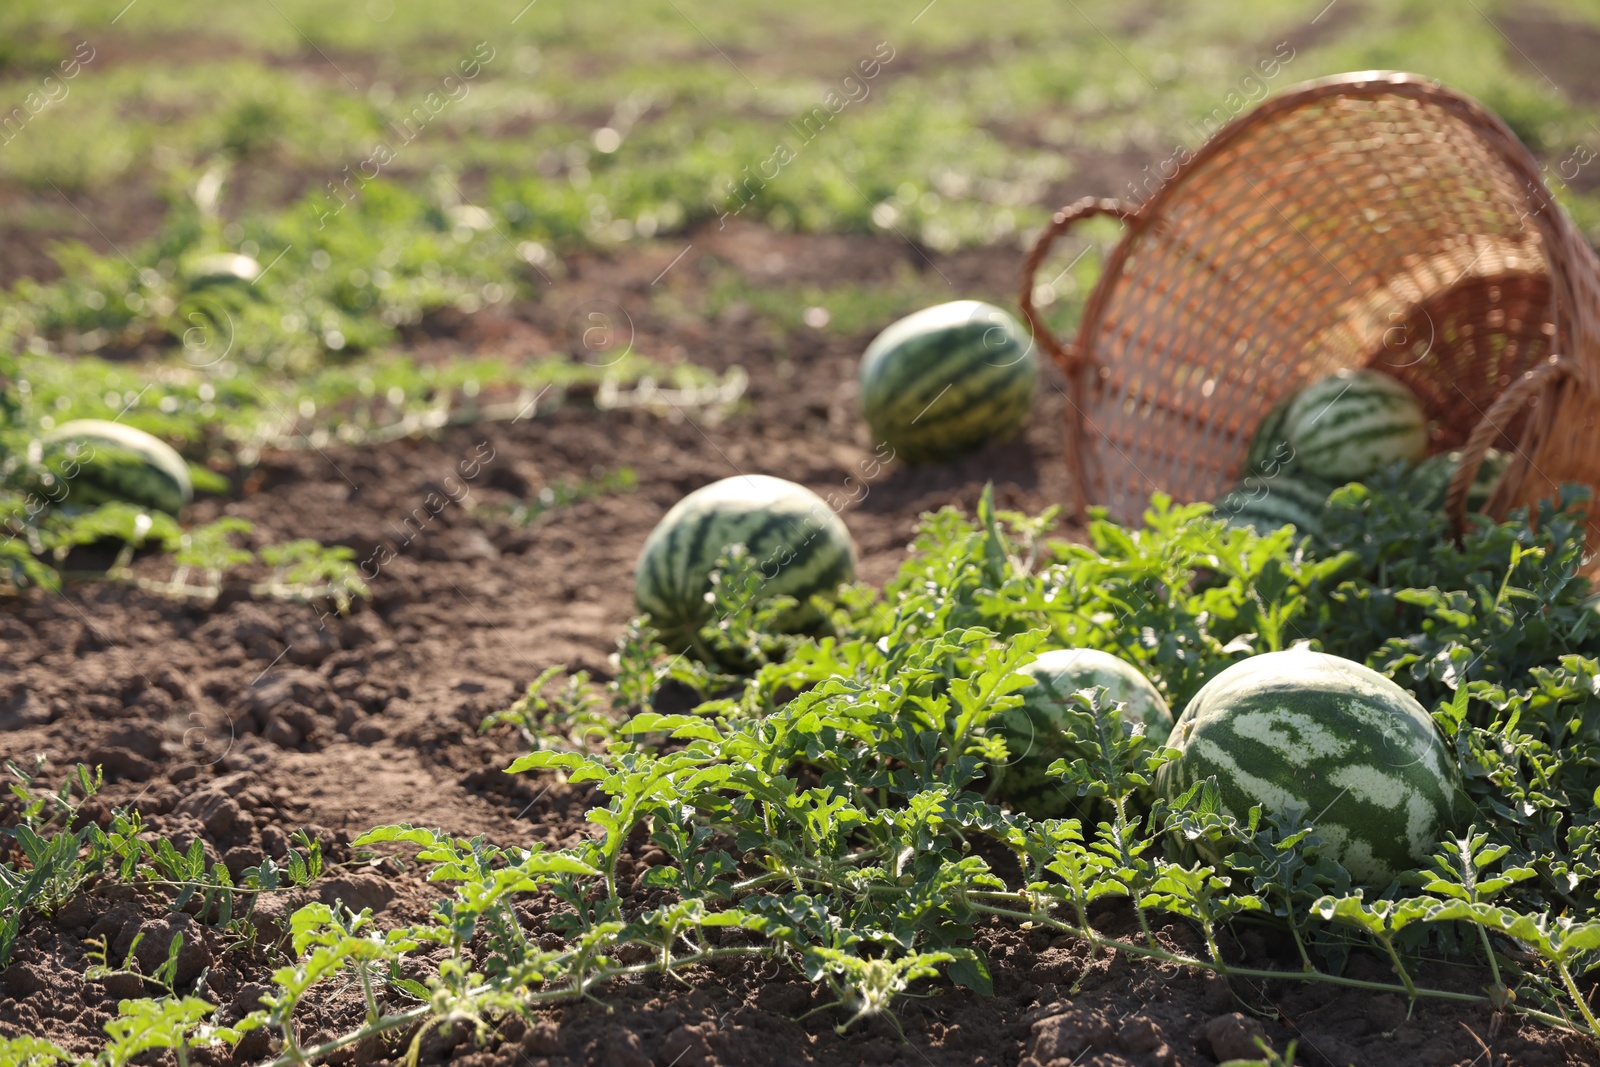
(1372, 219)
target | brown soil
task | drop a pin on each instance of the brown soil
(238, 722)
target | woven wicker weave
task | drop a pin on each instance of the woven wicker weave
(1371, 219)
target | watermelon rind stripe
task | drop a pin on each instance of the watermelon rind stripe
(956, 380)
(1355, 752)
(1356, 431)
(117, 462)
(1269, 451)
(1429, 482)
(1036, 734)
(940, 382)
(767, 515)
(1353, 424)
(997, 413)
(1267, 504)
(691, 548)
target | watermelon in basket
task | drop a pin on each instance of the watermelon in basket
(1373, 220)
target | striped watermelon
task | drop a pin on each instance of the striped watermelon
(1355, 752)
(947, 380)
(1353, 424)
(1036, 734)
(1428, 483)
(105, 461)
(799, 543)
(1267, 504)
(1270, 453)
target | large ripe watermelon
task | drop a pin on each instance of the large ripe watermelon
(1353, 751)
(1353, 424)
(1036, 733)
(102, 461)
(1268, 504)
(947, 380)
(799, 544)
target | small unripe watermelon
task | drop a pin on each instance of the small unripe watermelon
(799, 543)
(102, 461)
(1353, 424)
(1355, 753)
(947, 380)
(1037, 733)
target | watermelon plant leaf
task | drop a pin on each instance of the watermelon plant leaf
(969, 968)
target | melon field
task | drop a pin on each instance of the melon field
(531, 533)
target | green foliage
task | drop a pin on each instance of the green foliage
(28, 1051)
(56, 854)
(564, 494)
(305, 568)
(330, 282)
(823, 803)
(203, 556)
(1268, 1058)
(852, 310)
(50, 873)
(227, 410)
(572, 719)
(827, 810)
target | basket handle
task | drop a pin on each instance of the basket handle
(1065, 354)
(1489, 429)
